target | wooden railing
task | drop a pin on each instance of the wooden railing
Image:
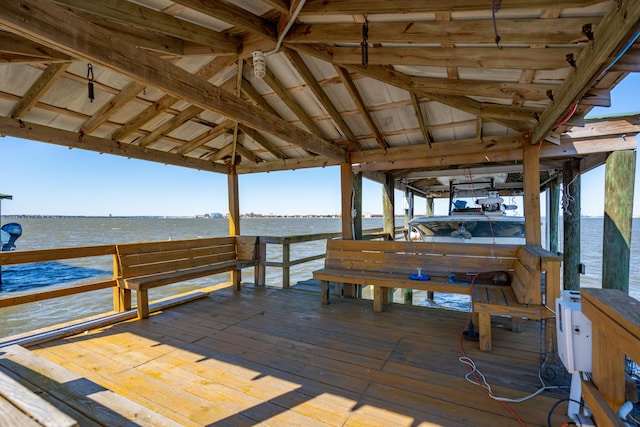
(43, 255)
(615, 322)
(86, 255)
(287, 241)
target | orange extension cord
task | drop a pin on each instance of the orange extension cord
(461, 347)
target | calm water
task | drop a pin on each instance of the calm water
(66, 232)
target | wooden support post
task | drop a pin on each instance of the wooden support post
(429, 212)
(618, 214)
(429, 206)
(388, 205)
(121, 296)
(234, 218)
(286, 259)
(357, 205)
(571, 216)
(346, 185)
(408, 216)
(389, 224)
(357, 220)
(260, 271)
(553, 217)
(531, 167)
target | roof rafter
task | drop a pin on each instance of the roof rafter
(313, 84)
(211, 134)
(358, 7)
(151, 20)
(113, 106)
(362, 107)
(48, 78)
(34, 132)
(234, 15)
(428, 139)
(38, 20)
(292, 104)
(263, 141)
(394, 78)
(513, 31)
(619, 26)
(207, 72)
(490, 57)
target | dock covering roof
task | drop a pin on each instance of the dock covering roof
(416, 88)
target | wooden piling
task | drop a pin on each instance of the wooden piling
(389, 223)
(347, 198)
(571, 216)
(553, 218)
(618, 212)
(234, 217)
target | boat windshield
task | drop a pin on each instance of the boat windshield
(475, 228)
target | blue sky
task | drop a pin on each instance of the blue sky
(51, 180)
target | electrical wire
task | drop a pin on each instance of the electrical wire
(475, 372)
(555, 405)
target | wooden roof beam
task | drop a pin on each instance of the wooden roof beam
(248, 89)
(282, 6)
(288, 164)
(489, 57)
(484, 88)
(234, 15)
(148, 19)
(292, 104)
(619, 26)
(40, 20)
(12, 45)
(394, 78)
(34, 132)
(428, 139)
(313, 84)
(47, 79)
(263, 141)
(114, 105)
(211, 134)
(357, 99)
(170, 125)
(358, 7)
(449, 153)
(207, 72)
(514, 31)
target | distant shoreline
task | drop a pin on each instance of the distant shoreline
(243, 216)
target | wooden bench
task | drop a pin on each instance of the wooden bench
(524, 298)
(502, 279)
(143, 266)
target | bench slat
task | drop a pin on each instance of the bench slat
(391, 280)
(178, 264)
(159, 256)
(155, 280)
(168, 245)
(467, 249)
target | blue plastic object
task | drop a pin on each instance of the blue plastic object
(415, 276)
(453, 279)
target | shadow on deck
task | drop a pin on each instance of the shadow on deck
(278, 357)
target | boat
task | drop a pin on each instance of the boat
(487, 222)
(9, 232)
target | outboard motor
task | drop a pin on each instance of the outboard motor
(13, 230)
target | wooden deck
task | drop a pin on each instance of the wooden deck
(278, 357)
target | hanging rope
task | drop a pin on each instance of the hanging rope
(495, 7)
(90, 78)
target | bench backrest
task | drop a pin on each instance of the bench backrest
(523, 263)
(141, 259)
(405, 257)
